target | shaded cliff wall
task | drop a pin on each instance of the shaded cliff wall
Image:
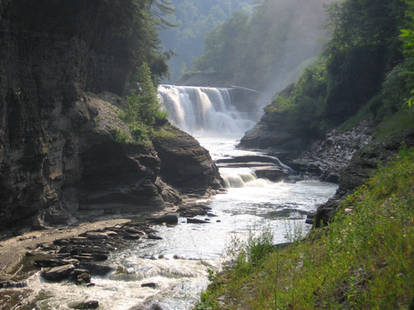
(54, 158)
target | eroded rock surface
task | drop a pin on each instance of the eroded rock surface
(58, 158)
(185, 164)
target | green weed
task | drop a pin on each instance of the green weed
(363, 260)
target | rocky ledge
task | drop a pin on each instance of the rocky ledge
(78, 254)
(325, 158)
(361, 167)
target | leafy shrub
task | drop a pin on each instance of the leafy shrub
(120, 136)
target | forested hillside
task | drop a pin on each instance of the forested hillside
(192, 21)
(361, 74)
(264, 51)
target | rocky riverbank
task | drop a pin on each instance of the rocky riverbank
(78, 253)
(346, 157)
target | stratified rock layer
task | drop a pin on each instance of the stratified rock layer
(57, 154)
(362, 166)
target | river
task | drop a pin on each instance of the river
(177, 266)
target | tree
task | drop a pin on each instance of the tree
(407, 35)
(143, 110)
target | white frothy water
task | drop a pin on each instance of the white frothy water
(203, 110)
(178, 264)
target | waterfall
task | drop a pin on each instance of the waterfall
(204, 111)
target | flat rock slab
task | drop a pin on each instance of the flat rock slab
(56, 274)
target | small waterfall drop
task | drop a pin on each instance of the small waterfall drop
(204, 111)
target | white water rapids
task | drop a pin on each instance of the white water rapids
(178, 264)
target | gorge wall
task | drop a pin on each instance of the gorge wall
(57, 154)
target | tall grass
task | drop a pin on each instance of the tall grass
(363, 260)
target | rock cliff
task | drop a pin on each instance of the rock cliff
(361, 167)
(58, 158)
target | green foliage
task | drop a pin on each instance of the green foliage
(120, 136)
(363, 48)
(142, 109)
(299, 107)
(363, 260)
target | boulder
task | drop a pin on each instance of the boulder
(83, 278)
(56, 274)
(272, 173)
(171, 219)
(185, 164)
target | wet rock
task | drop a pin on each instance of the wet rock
(84, 305)
(211, 215)
(133, 230)
(83, 278)
(272, 173)
(61, 242)
(128, 236)
(56, 274)
(111, 233)
(95, 235)
(96, 269)
(150, 285)
(196, 221)
(156, 307)
(55, 262)
(84, 258)
(332, 178)
(194, 210)
(154, 237)
(309, 220)
(12, 284)
(171, 219)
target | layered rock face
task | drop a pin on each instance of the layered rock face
(186, 165)
(57, 155)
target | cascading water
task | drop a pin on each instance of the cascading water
(177, 265)
(204, 111)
